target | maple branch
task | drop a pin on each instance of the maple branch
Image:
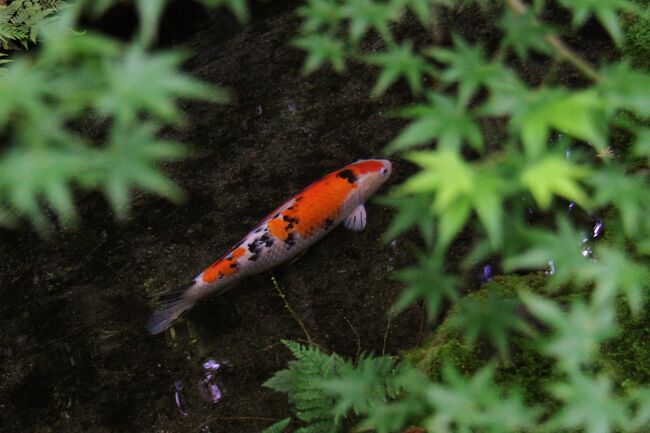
(562, 49)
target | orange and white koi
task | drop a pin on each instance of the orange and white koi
(288, 231)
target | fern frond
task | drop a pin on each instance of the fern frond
(303, 383)
(325, 389)
(278, 427)
(19, 20)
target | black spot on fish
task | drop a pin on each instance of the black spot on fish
(291, 222)
(328, 223)
(348, 175)
(259, 229)
(290, 208)
(276, 215)
(253, 257)
(254, 247)
(233, 265)
(298, 198)
(290, 241)
(268, 243)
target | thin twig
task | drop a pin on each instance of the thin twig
(237, 418)
(383, 348)
(562, 50)
(293, 313)
(356, 335)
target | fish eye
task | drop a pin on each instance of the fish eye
(384, 171)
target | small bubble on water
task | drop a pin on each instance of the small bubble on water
(551, 267)
(598, 229)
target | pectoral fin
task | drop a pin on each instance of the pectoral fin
(356, 221)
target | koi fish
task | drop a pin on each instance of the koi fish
(284, 234)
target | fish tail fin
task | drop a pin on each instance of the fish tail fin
(171, 305)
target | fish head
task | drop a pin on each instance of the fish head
(370, 174)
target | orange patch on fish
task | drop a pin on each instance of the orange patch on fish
(277, 228)
(223, 266)
(367, 166)
(313, 206)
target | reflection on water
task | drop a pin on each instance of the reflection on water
(209, 386)
(178, 388)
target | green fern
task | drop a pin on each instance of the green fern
(326, 390)
(303, 382)
(278, 427)
(19, 20)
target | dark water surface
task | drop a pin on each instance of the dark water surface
(74, 356)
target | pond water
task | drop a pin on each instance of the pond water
(74, 355)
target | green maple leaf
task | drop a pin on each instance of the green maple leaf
(427, 280)
(628, 193)
(555, 175)
(467, 66)
(412, 211)
(23, 93)
(625, 88)
(576, 334)
(494, 317)
(399, 61)
(237, 7)
(140, 81)
(563, 247)
(319, 14)
(321, 49)
(476, 404)
(588, 404)
(536, 113)
(364, 15)
(606, 11)
(523, 33)
(615, 272)
(129, 162)
(443, 119)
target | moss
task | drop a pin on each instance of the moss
(626, 356)
(623, 358)
(637, 36)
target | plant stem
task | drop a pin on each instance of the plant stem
(562, 49)
(293, 313)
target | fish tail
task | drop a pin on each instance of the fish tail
(171, 305)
